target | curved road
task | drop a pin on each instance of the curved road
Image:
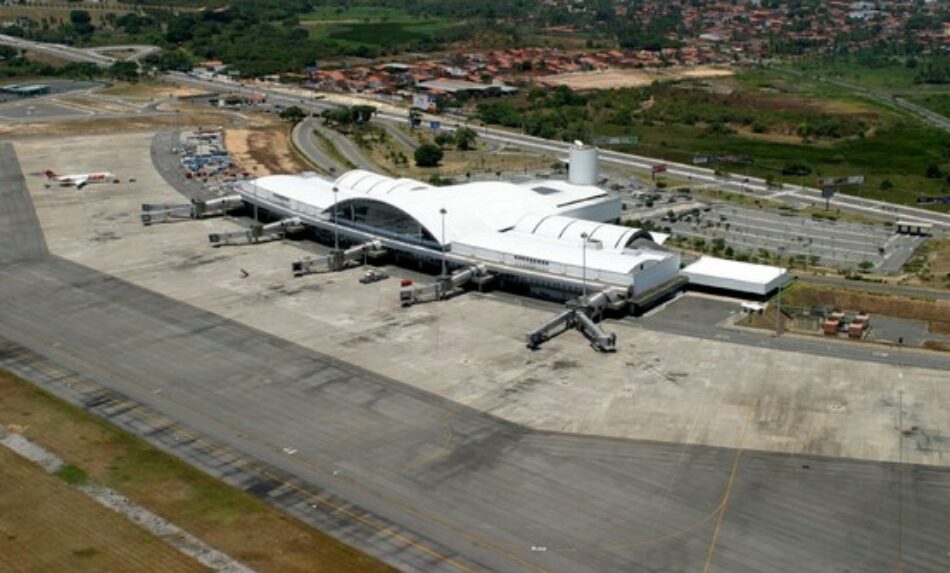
(302, 136)
(737, 183)
(732, 182)
(346, 147)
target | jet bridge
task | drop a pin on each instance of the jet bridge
(581, 314)
(196, 209)
(444, 287)
(338, 259)
(256, 232)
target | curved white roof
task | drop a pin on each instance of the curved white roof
(486, 206)
(470, 207)
(570, 229)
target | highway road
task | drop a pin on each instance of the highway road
(303, 140)
(731, 182)
(141, 50)
(345, 146)
(426, 484)
(58, 50)
(927, 115)
(737, 183)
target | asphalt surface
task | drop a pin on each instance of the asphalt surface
(431, 485)
(168, 164)
(836, 243)
(399, 135)
(701, 317)
(731, 182)
(58, 50)
(302, 136)
(792, 194)
(926, 115)
(345, 146)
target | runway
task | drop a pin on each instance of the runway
(426, 484)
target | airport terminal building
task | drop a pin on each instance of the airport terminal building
(553, 235)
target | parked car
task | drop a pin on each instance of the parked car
(372, 276)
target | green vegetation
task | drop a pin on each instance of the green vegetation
(293, 114)
(765, 124)
(343, 117)
(370, 30)
(938, 102)
(14, 63)
(228, 518)
(72, 475)
(428, 155)
(331, 149)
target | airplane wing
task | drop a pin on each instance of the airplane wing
(80, 182)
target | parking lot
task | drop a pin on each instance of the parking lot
(761, 233)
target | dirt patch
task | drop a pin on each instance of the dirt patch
(188, 116)
(45, 58)
(225, 518)
(936, 312)
(775, 137)
(703, 72)
(47, 525)
(263, 147)
(613, 78)
(940, 345)
(150, 90)
(608, 79)
(938, 327)
(939, 260)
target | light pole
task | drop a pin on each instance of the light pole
(336, 230)
(442, 212)
(584, 265)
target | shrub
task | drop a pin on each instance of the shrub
(428, 155)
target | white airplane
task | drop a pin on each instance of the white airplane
(80, 180)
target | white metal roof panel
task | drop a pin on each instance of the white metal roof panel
(736, 275)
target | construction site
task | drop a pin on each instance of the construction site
(480, 376)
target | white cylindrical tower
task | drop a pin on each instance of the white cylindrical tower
(582, 166)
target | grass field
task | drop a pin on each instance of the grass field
(47, 525)
(893, 78)
(373, 26)
(899, 153)
(892, 148)
(939, 102)
(358, 14)
(229, 520)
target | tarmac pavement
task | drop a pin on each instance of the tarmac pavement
(431, 485)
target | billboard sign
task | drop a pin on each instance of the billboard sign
(836, 181)
(827, 192)
(421, 101)
(617, 140)
(658, 168)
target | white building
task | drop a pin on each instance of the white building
(736, 276)
(554, 233)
